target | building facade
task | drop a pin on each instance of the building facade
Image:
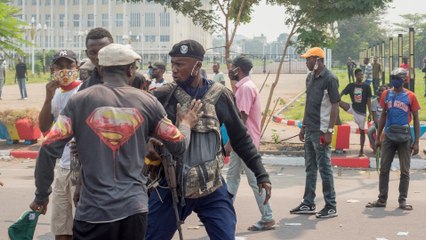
(149, 28)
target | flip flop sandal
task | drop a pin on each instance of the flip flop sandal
(375, 204)
(262, 226)
(406, 207)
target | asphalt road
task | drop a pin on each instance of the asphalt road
(354, 189)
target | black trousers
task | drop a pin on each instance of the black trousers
(130, 228)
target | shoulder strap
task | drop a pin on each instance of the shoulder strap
(214, 93)
(169, 96)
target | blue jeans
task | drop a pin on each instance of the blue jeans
(22, 87)
(215, 211)
(236, 166)
(317, 158)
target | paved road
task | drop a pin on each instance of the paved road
(354, 189)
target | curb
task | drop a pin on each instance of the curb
(348, 162)
(24, 154)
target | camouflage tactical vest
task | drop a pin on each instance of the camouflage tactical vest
(199, 172)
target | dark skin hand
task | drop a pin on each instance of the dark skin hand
(42, 208)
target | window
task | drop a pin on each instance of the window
(76, 41)
(34, 2)
(119, 39)
(135, 20)
(76, 20)
(61, 41)
(165, 19)
(48, 20)
(105, 20)
(75, 2)
(61, 20)
(19, 2)
(61, 2)
(119, 20)
(149, 38)
(150, 20)
(164, 38)
(48, 2)
(104, 2)
(90, 20)
(118, 2)
(90, 2)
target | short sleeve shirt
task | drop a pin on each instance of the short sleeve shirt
(21, 69)
(399, 107)
(359, 94)
(321, 93)
(248, 101)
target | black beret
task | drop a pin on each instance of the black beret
(188, 48)
(243, 62)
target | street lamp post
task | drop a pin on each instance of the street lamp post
(33, 43)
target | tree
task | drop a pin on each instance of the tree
(11, 29)
(357, 33)
(312, 17)
(222, 15)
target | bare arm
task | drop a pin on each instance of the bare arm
(415, 146)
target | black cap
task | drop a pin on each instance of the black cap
(159, 65)
(68, 54)
(243, 62)
(188, 48)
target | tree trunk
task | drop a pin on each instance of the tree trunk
(271, 92)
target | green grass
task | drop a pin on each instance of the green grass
(296, 111)
(37, 78)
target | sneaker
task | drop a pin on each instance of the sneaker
(303, 209)
(327, 212)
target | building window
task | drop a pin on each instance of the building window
(135, 20)
(19, 2)
(119, 20)
(164, 38)
(119, 39)
(118, 2)
(104, 2)
(90, 20)
(150, 20)
(149, 38)
(61, 41)
(75, 2)
(48, 2)
(165, 19)
(61, 2)
(105, 20)
(90, 2)
(76, 20)
(61, 20)
(34, 2)
(48, 20)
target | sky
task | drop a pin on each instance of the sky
(269, 20)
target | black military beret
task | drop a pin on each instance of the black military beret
(188, 48)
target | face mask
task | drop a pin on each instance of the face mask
(396, 83)
(189, 80)
(65, 76)
(234, 75)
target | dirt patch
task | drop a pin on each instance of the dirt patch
(285, 148)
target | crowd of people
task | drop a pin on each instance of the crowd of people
(105, 122)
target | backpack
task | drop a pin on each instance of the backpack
(199, 170)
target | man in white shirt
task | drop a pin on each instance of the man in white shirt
(218, 76)
(158, 70)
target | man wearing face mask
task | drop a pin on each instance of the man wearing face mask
(399, 106)
(201, 185)
(248, 103)
(322, 102)
(58, 91)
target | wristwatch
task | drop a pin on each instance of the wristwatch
(330, 130)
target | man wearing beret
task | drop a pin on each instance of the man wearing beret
(201, 185)
(248, 103)
(111, 123)
(322, 102)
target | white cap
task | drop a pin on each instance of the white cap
(117, 55)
